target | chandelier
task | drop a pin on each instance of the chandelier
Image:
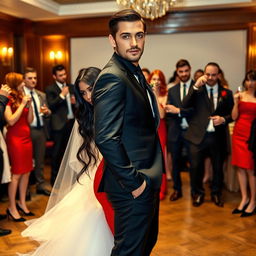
(149, 9)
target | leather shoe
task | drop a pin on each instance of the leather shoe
(4, 232)
(3, 216)
(175, 195)
(198, 200)
(44, 191)
(218, 200)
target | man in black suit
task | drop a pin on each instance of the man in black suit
(126, 121)
(60, 98)
(208, 131)
(177, 123)
(37, 128)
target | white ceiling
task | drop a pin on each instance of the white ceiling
(49, 9)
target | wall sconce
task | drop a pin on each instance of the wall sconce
(6, 56)
(56, 56)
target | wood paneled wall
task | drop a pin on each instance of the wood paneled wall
(34, 40)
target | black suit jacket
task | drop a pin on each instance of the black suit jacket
(57, 105)
(126, 131)
(200, 102)
(174, 120)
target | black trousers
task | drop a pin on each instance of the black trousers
(176, 149)
(60, 139)
(38, 141)
(136, 222)
(209, 147)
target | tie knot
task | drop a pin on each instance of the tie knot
(184, 85)
(31, 92)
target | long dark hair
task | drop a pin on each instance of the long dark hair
(250, 75)
(84, 116)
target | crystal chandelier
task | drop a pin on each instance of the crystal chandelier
(149, 9)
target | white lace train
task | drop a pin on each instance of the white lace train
(75, 226)
(74, 222)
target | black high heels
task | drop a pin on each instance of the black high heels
(23, 212)
(10, 216)
(248, 214)
(237, 211)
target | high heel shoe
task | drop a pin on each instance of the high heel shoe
(248, 214)
(9, 216)
(237, 211)
(23, 212)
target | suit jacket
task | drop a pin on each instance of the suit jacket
(57, 105)
(125, 130)
(46, 118)
(199, 100)
(174, 120)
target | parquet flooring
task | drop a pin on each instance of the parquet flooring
(184, 229)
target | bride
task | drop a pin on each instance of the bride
(78, 220)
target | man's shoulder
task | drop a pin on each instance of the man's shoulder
(39, 92)
(50, 87)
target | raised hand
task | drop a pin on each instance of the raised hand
(201, 81)
(5, 90)
(171, 109)
(26, 101)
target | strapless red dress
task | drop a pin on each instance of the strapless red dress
(241, 155)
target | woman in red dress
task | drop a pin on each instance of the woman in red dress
(244, 112)
(157, 81)
(18, 115)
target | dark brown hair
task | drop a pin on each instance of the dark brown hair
(124, 15)
(181, 63)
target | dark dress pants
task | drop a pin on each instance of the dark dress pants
(38, 141)
(136, 222)
(210, 146)
(60, 139)
(176, 148)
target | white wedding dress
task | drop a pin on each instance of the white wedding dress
(74, 223)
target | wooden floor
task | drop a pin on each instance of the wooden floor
(184, 229)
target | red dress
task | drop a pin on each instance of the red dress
(19, 144)
(102, 198)
(163, 138)
(241, 155)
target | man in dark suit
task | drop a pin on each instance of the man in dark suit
(177, 123)
(60, 98)
(37, 128)
(208, 131)
(126, 121)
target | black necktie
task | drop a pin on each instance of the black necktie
(142, 79)
(184, 90)
(211, 99)
(36, 111)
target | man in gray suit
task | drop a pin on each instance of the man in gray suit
(126, 122)
(37, 127)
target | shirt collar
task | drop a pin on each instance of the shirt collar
(59, 84)
(188, 83)
(215, 87)
(27, 90)
(131, 67)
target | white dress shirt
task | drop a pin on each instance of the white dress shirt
(67, 98)
(215, 91)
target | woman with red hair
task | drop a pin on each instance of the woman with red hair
(18, 115)
(157, 81)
